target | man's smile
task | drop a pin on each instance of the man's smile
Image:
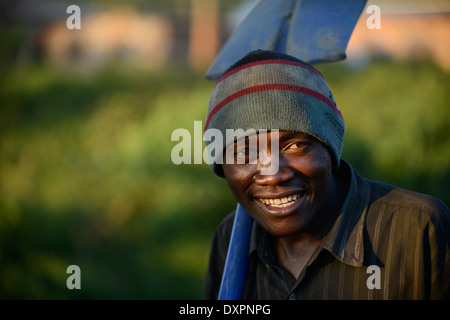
(281, 202)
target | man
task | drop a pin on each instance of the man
(320, 230)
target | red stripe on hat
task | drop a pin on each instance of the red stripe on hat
(270, 61)
(268, 87)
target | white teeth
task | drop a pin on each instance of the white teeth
(281, 202)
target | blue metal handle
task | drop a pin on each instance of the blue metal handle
(235, 270)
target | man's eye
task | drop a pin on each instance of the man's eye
(246, 152)
(295, 145)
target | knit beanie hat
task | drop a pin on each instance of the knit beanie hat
(270, 90)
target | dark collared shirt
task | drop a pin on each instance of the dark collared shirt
(387, 243)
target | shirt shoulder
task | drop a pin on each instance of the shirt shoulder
(409, 232)
(411, 205)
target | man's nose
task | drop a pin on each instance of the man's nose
(282, 174)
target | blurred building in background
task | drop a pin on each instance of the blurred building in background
(409, 31)
(192, 32)
(121, 33)
(150, 34)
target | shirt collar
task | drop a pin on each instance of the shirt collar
(345, 240)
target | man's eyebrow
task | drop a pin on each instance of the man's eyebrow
(293, 134)
(287, 135)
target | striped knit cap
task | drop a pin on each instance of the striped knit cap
(270, 90)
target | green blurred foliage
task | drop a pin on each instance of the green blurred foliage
(86, 176)
(87, 179)
(397, 123)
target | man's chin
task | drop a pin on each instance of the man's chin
(283, 231)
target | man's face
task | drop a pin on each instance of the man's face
(290, 201)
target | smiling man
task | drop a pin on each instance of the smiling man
(320, 228)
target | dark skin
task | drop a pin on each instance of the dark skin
(298, 204)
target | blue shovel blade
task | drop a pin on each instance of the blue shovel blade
(320, 29)
(312, 30)
(260, 30)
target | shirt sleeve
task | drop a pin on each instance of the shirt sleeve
(218, 254)
(439, 252)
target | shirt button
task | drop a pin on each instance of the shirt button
(292, 296)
